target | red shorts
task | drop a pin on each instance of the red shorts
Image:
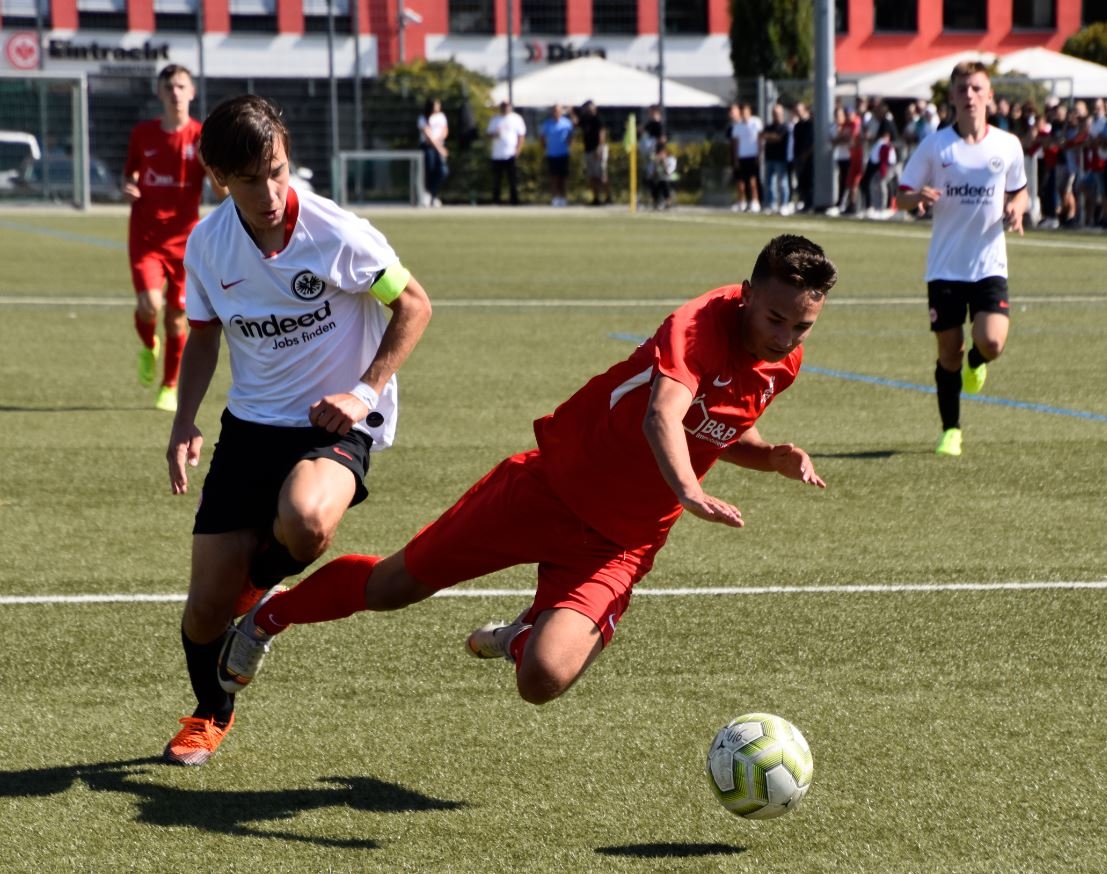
(159, 262)
(155, 270)
(512, 516)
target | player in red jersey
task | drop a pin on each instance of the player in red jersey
(616, 465)
(163, 179)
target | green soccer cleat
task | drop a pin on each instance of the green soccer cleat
(972, 378)
(148, 363)
(167, 399)
(950, 444)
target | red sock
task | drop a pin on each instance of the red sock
(146, 331)
(174, 346)
(335, 591)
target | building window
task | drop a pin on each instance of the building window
(895, 16)
(315, 16)
(615, 16)
(471, 16)
(1094, 12)
(686, 17)
(21, 13)
(964, 14)
(175, 15)
(1036, 14)
(253, 16)
(101, 15)
(542, 16)
(841, 16)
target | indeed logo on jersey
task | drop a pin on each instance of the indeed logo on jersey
(966, 190)
(703, 426)
(308, 326)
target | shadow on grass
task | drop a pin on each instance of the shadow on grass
(230, 812)
(870, 455)
(671, 850)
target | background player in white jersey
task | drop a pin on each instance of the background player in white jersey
(972, 176)
(299, 288)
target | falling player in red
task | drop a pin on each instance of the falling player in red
(163, 179)
(616, 465)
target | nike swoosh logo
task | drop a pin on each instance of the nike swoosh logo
(946, 166)
(227, 285)
(718, 383)
(342, 452)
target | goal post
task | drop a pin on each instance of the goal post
(52, 108)
(380, 175)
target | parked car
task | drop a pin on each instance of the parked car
(16, 149)
(103, 187)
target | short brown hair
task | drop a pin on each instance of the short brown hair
(796, 261)
(968, 68)
(241, 134)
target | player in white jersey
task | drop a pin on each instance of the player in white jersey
(973, 177)
(318, 314)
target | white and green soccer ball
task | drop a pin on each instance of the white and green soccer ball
(759, 766)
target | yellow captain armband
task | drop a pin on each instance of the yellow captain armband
(391, 283)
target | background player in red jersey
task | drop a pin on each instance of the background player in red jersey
(616, 465)
(163, 179)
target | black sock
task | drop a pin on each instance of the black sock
(975, 358)
(949, 396)
(272, 563)
(202, 660)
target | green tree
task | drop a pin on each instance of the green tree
(772, 38)
(1088, 43)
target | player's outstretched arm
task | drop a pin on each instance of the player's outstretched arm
(198, 362)
(664, 430)
(752, 451)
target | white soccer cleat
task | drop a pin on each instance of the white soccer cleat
(244, 649)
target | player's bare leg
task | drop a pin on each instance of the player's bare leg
(558, 649)
(148, 305)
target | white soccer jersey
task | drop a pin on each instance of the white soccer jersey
(967, 243)
(300, 324)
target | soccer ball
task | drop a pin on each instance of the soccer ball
(759, 766)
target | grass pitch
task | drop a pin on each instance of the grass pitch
(934, 626)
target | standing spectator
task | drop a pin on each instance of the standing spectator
(882, 157)
(803, 142)
(433, 130)
(774, 141)
(1090, 185)
(163, 178)
(857, 160)
(508, 132)
(840, 136)
(594, 136)
(1043, 148)
(927, 122)
(974, 178)
(652, 132)
(662, 173)
(745, 137)
(556, 134)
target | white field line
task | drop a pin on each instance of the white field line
(680, 592)
(612, 303)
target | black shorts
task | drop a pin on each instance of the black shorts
(558, 165)
(747, 169)
(950, 300)
(251, 462)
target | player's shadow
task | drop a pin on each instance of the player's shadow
(230, 812)
(671, 850)
(863, 455)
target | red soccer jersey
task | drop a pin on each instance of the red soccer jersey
(593, 444)
(170, 177)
